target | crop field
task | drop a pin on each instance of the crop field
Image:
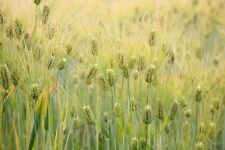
(112, 74)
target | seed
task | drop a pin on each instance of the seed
(212, 130)
(105, 117)
(188, 113)
(88, 115)
(111, 77)
(152, 38)
(198, 94)
(117, 109)
(183, 102)
(141, 63)
(18, 29)
(216, 104)
(45, 15)
(94, 47)
(62, 64)
(68, 49)
(5, 78)
(160, 113)
(150, 74)
(142, 142)
(173, 110)
(103, 83)
(2, 18)
(9, 32)
(134, 143)
(147, 117)
(51, 62)
(15, 79)
(27, 41)
(121, 61)
(92, 73)
(37, 2)
(212, 109)
(133, 104)
(35, 91)
(125, 72)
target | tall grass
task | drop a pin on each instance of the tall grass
(112, 74)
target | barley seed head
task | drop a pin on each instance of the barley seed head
(62, 64)
(35, 91)
(150, 74)
(111, 77)
(88, 115)
(147, 116)
(160, 113)
(117, 109)
(198, 94)
(37, 2)
(5, 77)
(188, 113)
(173, 110)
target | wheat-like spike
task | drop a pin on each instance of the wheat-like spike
(51, 62)
(37, 2)
(152, 38)
(147, 116)
(125, 72)
(94, 47)
(45, 14)
(199, 146)
(134, 104)
(212, 109)
(188, 113)
(88, 115)
(103, 83)
(183, 102)
(212, 130)
(15, 79)
(121, 61)
(9, 32)
(216, 104)
(27, 41)
(5, 77)
(142, 142)
(35, 91)
(173, 110)
(68, 48)
(141, 63)
(62, 64)
(105, 117)
(160, 113)
(2, 18)
(117, 109)
(134, 143)
(198, 94)
(111, 77)
(18, 29)
(150, 74)
(92, 73)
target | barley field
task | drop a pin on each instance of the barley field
(112, 75)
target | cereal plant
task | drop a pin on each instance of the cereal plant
(112, 74)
